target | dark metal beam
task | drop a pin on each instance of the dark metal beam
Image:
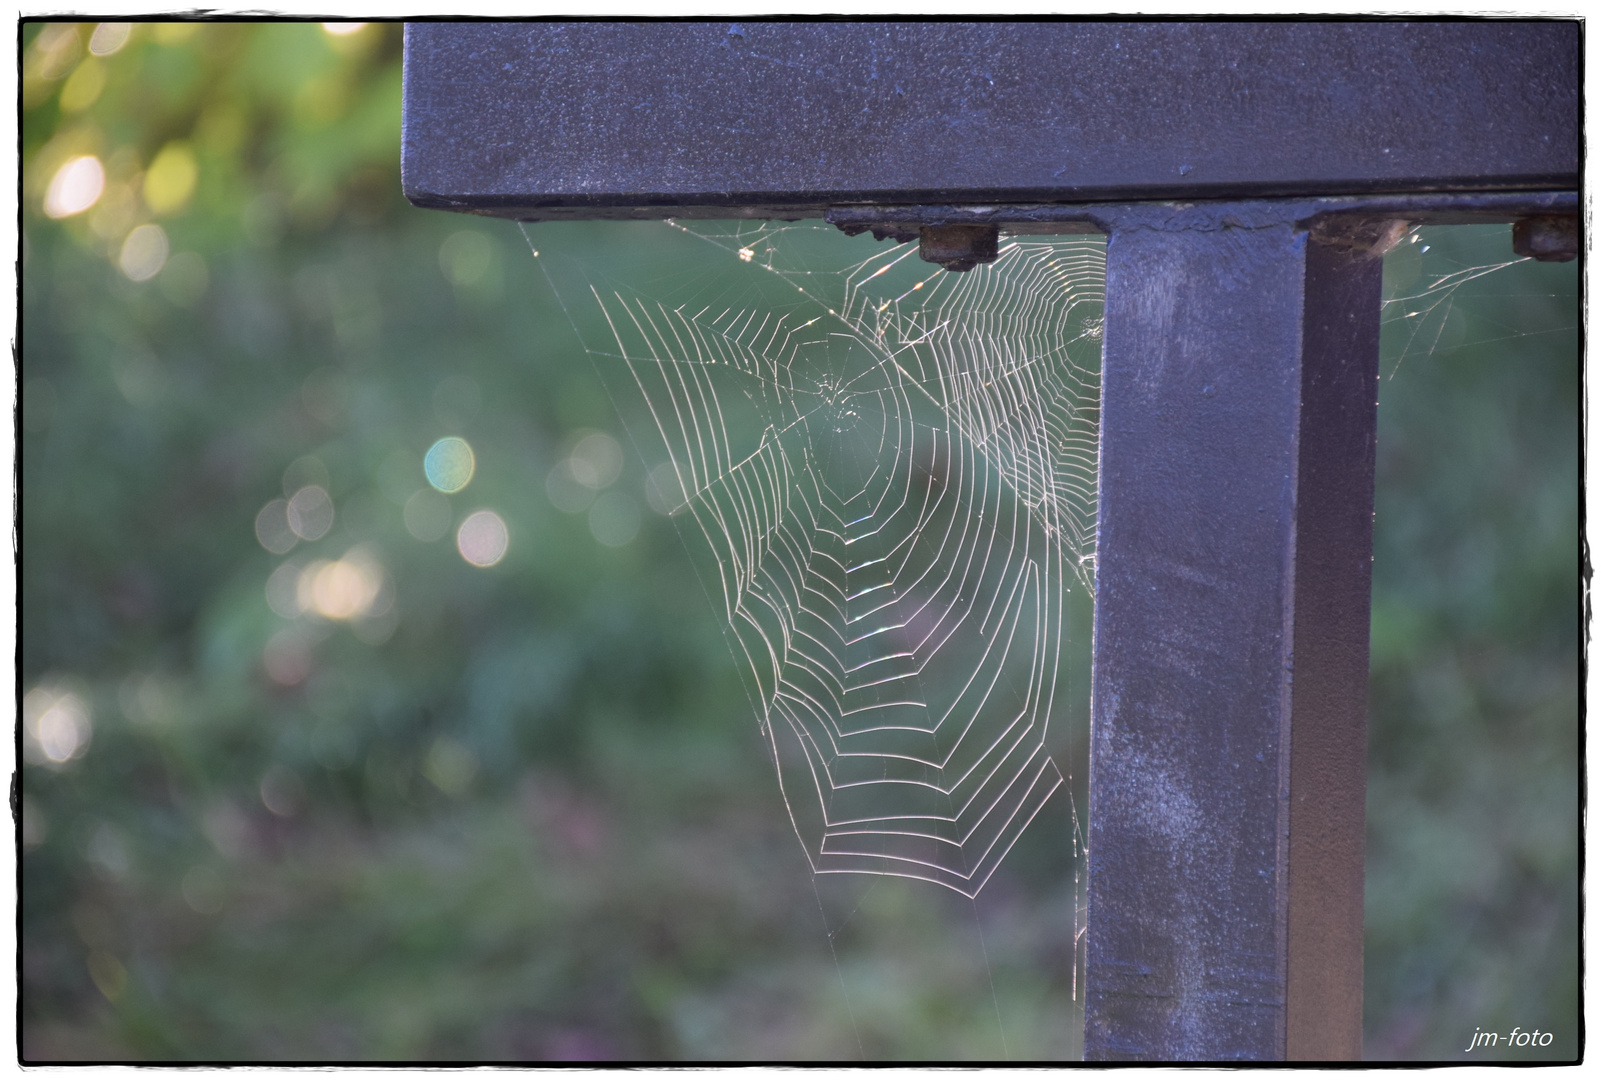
(719, 119)
(1227, 761)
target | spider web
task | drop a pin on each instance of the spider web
(1431, 310)
(892, 471)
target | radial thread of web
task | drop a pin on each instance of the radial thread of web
(895, 472)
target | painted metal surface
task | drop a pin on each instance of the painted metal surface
(1332, 589)
(608, 119)
(1227, 754)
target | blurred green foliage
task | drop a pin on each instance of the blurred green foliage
(1473, 805)
(522, 811)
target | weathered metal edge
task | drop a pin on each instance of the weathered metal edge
(1555, 195)
(1438, 208)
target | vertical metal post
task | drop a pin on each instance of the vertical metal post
(1229, 718)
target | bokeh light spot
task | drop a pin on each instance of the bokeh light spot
(340, 29)
(597, 461)
(108, 37)
(83, 88)
(341, 589)
(170, 180)
(272, 527)
(75, 187)
(287, 657)
(283, 590)
(54, 52)
(56, 725)
(466, 256)
(482, 538)
(281, 792)
(310, 513)
(143, 253)
(449, 464)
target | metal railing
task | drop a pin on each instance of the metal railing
(1248, 177)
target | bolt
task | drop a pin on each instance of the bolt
(1549, 238)
(958, 247)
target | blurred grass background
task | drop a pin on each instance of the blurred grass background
(386, 803)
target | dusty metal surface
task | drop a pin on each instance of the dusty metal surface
(1323, 869)
(606, 119)
(1237, 409)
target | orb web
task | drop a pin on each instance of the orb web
(891, 472)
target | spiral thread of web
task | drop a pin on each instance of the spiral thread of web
(895, 472)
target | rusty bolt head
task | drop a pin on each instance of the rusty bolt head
(1549, 238)
(958, 247)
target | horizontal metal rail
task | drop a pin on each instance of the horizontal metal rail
(546, 120)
